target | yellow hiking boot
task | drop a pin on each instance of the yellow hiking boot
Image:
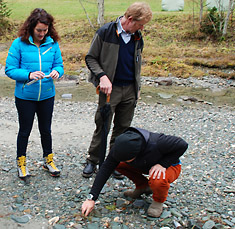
(50, 166)
(23, 171)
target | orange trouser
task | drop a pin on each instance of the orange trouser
(159, 187)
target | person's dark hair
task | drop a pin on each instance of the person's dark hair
(38, 15)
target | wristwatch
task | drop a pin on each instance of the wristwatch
(89, 197)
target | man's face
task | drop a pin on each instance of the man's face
(134, 25)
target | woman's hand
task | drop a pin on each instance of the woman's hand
(36, 75)
(156, 171)
(54, 74)
(87, 207)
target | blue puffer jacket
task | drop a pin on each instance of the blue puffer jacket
(24, 58)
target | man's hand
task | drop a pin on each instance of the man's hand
(156, 171)
(87, 207)
(105, 85)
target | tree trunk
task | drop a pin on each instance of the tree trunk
(201, 11)
(230, 10)
(100, 18)
(86, 14)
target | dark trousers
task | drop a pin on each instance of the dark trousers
(26, 112)
(122, 102)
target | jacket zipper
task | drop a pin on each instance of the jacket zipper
(40, 81)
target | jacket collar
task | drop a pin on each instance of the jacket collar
(47, 41)
(137, 34)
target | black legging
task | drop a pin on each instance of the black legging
(26, 112)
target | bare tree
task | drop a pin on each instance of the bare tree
(230, 10)
(216, 20)
(201, 5)
(86, 15)
(100, 18)
(201, 11)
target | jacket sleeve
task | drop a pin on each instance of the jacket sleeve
(58, 62)
(103, 175)
(171, 147)
(13, 63)
(93, 56)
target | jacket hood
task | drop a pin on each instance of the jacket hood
(145, 133)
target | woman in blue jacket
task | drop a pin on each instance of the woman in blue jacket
(34, 61)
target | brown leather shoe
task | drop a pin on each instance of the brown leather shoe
(138, 192)
(155, 209)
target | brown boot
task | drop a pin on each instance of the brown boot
(138, 192)
(155, 209)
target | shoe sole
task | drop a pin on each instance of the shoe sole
(86, 175)
(118, 177)
(55, 174)
(153, 216)
(26, 179)
(23, 178)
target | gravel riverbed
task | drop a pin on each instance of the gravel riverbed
(202, 197)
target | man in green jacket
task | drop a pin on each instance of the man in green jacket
(114, 61)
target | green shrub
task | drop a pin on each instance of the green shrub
(4, 15)
(212, 23)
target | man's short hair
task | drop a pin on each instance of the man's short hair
(139, 11)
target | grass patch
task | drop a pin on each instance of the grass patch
(64, 9)
(173, 45)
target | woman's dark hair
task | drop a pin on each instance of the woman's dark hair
(36, 16)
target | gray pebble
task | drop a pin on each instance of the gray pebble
(209, 224)
(20, 219)
(206, 178)
(139, 203)
(59, 226)
(228, 223)
(165, 214)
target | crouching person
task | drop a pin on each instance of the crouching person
(138, 152)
